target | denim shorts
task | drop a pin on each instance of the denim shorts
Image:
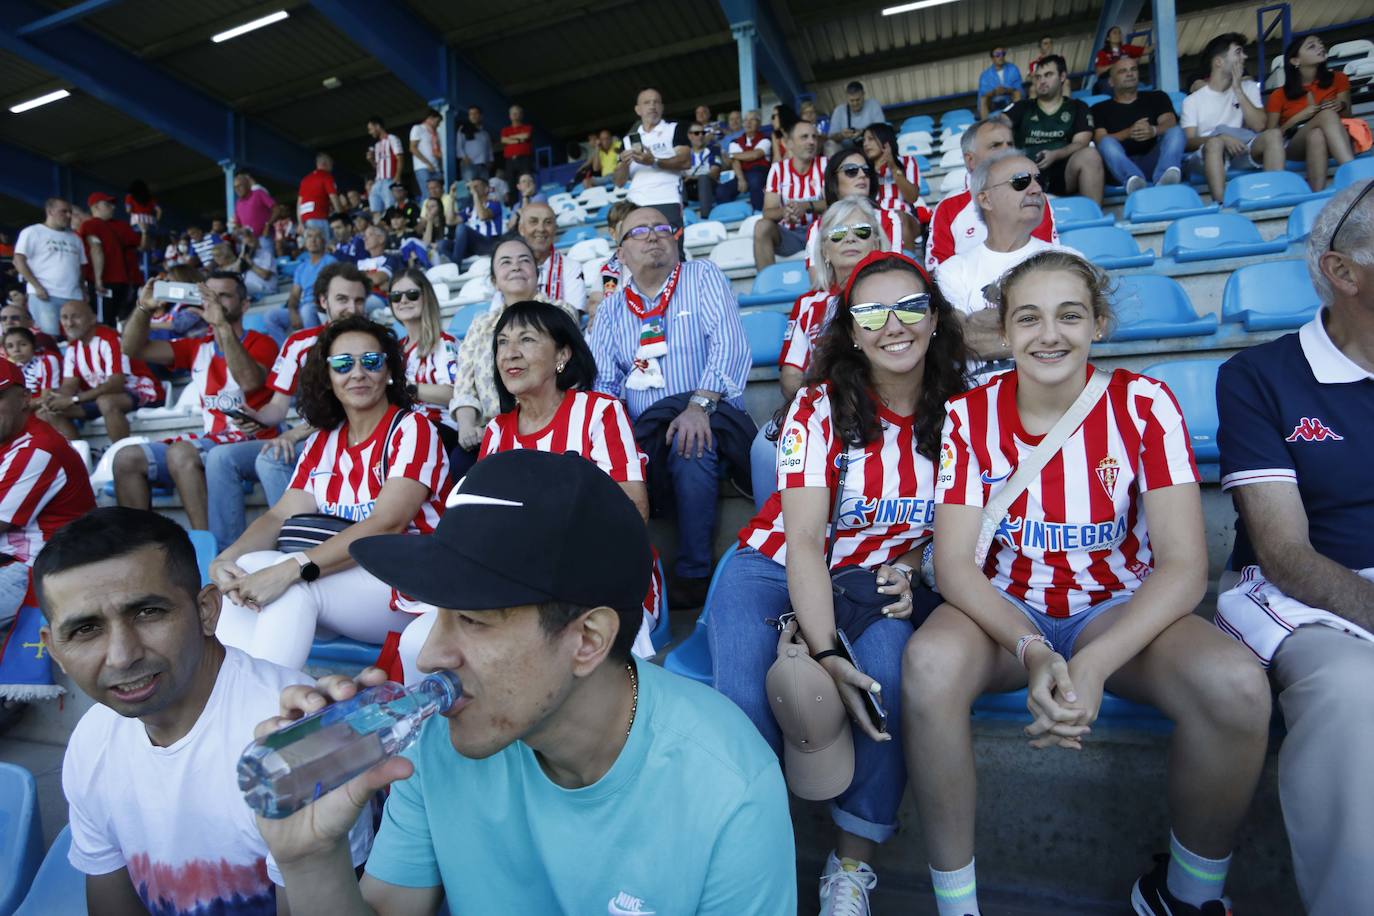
(1062, 632)
(156, 453)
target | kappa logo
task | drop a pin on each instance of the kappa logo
(1312, 429)
(1108, 470)
(623, 904)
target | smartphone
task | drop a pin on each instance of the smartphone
(240, 416)
(876, 714)
(636, 142)
(177, 293)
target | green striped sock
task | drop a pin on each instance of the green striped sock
(956, 892)
(1192, 878)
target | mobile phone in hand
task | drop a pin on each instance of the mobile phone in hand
(876, 714)
(636, 142)
(239, 415)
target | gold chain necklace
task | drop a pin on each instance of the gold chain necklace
(634, 702)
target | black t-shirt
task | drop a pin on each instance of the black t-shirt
(1035, 130)
(410, 211)
(1114, 116)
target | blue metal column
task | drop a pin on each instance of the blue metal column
(1166, 45)
(229, 168)
(745, 34)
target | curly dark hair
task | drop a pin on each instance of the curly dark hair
(843, 365)
(318, 403)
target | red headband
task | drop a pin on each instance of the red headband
(874, 257)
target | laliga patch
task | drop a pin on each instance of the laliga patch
(792, 449)
(1108, 470)
(946, 475)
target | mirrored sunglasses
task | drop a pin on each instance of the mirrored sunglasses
(872, 316)
(862, 231)
(342, 363)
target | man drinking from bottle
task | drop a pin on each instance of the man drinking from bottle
(566, 778)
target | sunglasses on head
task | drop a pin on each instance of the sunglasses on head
(872, 316)
(1021, 180)
(862, 231)
(411, 294)
(640, 233)
(342, 363)
(1340, 224)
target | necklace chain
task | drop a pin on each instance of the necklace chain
(634, 702)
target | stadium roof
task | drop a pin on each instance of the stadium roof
(573, 64)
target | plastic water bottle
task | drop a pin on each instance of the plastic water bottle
(283, 772)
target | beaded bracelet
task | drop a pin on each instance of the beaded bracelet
(1024, 643)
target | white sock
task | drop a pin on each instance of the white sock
(956, 892)
(1192, 878)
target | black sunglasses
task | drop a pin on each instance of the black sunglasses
(1020, 181)
(411, 294)
(1331, 245)
(853, 170)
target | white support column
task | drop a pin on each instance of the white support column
(745, 33)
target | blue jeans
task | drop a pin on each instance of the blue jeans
(14, 583)
(696, 487)
(46, 313)
(752, 589)
(763, 465)
(466, 241)
(226, 467)
(422, 177)
(279, 320)
(275, 474)
(381, 197)
(1167, 153)
(755, 179)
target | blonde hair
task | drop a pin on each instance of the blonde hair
(1098, 283)
(431, 322)
(822, 274)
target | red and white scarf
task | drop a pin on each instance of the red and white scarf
(653, 336)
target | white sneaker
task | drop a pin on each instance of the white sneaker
(845, 884)
(1172, 175)
(1133, 184)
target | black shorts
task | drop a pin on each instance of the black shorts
(1054, 178)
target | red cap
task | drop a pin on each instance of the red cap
(10, 375)
(97, 197)
(875, 256)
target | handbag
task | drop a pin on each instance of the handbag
(1361, 137)
(1035, 462)
(306, 530)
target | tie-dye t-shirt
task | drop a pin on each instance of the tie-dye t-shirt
(174, 816)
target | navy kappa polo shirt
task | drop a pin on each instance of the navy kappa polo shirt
(1298, 410)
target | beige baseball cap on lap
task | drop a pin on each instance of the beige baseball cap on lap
(818, 746)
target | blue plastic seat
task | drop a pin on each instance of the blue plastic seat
(1194, 384)
(922, 164)
(1354, 171)
(570, 237)
(462, 319)
(917, 122)
(1270, 296)
(1177, 98)
(343, 650)
(764, 330)
(1150, 306)
(1165, 202)
(1011, 706)
(1077, 213)
(959, 117)
(1216, 235)
(692, 658)
(1303, 217)
(690, 216)
(21, 835)
(204, 543)
(1265, 190)
(1091, 100)
(58, 887)
(733, 211)
(780, 282)
(1108, 247)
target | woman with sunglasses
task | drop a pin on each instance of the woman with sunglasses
(848, 174)
(431, 355)
(515, 273)
(374, 466)
(1089, 584)
(898, 177)
(858, 447)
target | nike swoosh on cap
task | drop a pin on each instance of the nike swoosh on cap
(456, 499)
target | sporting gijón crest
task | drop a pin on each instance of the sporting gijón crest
(1312, 429)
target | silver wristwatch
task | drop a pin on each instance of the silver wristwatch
(704, 403)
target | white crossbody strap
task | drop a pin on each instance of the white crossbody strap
(1035, 462)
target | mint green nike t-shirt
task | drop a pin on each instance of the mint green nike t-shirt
(691, 818)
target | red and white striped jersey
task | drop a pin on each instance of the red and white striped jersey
(286, 371)
(218, 389)
(955, 227)
(592, 424)
(93, 361)
(43, 486)
(889, 198)
(810, 314)
(785, 181)
(888, 503)
(346, 480)
(42, 372)
(438, 368)
(891, 227)
(386, 152)
(1078, 535)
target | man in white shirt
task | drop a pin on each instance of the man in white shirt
(1224, 119)
(560, 277)
(49, 256)
(158, 822)
(653, 159)
(1007, 193)
(848, 121)
(425, 157)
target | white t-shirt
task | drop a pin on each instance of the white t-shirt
(174, 816)
(429, 146)
(55, 258)
(1207, 109)
(650, 185)
(964, 277)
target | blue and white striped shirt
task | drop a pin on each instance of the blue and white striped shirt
(490, 228)
(707, 348)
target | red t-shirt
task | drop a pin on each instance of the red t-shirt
(314, 195)
(522, 132)
(116, 239)
(1106, 58)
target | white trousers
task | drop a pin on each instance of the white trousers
(351, 602)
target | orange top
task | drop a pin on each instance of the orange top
(1285, 107)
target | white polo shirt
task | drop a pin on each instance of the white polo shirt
(650, 185)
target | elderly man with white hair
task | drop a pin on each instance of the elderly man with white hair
(1010, 202)
(1295, 437)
